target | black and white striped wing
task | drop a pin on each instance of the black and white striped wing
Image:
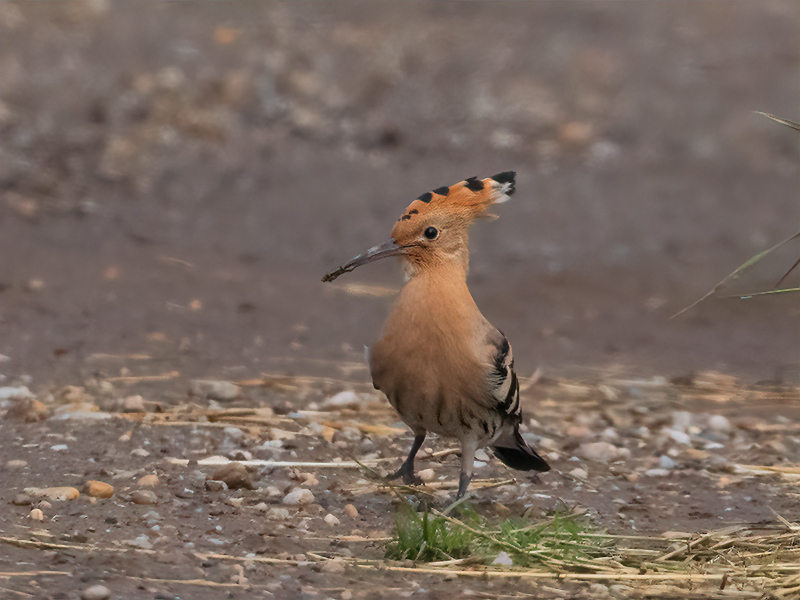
(503, 380)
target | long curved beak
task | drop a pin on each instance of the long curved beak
(389, 248)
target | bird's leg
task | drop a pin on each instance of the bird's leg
(468, 449)
(406, 470)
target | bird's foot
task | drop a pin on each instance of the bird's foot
(463, 483)
(406, 472)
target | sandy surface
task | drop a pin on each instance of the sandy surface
(175, 180)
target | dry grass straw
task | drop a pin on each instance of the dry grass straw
(742, 560)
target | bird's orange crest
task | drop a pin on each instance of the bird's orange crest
(466, 200)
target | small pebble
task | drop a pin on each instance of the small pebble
(350, 510)
(680, 437)
(276, 434)
(16, 464)
(426, 475)
(336, 565)
(656, 472)
(331, 520)
(133, 404)
(144, 497)
(233, 432)
(577, 431)
(214, 389)
(140, 452)
(598, 591)
(719, 423)
(29, 410)
(503, 559)
(598, 451)
(21, 500)
(35, 284)
(348, 398)
(212, 485)
(96, 592)
(545, 443)
(579, 473)
(681, 420)
(36, 514)
(99, 489)
(234, 475)
(299, 496)
(54, 493)
(59, 448)
(141, 541)
(610, 434)
(150, 480)
(665, 462)
(278, 514)
(11, 392)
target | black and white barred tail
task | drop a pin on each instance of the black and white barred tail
(509, 446)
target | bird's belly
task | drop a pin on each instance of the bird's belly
(434, 410)
(432, 386)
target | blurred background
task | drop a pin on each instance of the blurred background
(175, 178)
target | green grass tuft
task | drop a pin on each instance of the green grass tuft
(562, 539)
(425, 537)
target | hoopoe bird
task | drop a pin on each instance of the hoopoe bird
(440, 363)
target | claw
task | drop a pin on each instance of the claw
(408, 475)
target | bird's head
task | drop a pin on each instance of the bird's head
(433, 229)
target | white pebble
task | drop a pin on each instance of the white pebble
(9, 392)
(610, 434)
(656, 472)
(665, 462)
(598, 451)
(278, 514)
(681, 420)
(680, 437)
(579, 473)
(215, 390)
(331, 520)
(59, 448)
(140, 541)
(342, 399)
(233, 432)
(299, 496)
(426, 474)
(96, 592)
(719, 423)
(503, 559)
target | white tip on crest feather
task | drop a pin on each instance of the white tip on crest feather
(502, 192)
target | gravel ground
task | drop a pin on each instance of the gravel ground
(175, 180)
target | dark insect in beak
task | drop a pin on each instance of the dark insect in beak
(389, 248)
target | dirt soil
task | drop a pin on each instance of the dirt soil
(175, 178)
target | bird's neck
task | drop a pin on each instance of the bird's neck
(443, 266)
(437, 291)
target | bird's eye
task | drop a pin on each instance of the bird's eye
(431, 233)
